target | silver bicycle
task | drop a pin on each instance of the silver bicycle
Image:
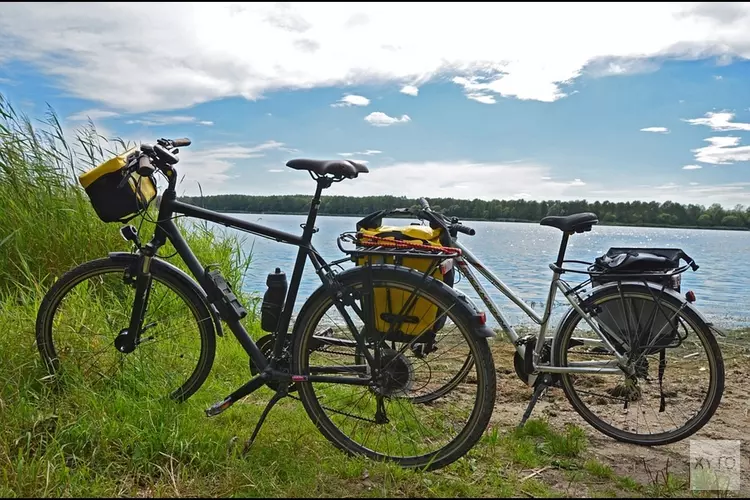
(627, 323)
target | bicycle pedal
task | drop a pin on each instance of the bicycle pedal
(219, 407)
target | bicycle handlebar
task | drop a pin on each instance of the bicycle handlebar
(174, 143)
(161, 155)
(451, 224)
(464, 229)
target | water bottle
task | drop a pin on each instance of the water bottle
(273, 301)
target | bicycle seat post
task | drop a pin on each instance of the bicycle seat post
(563, 248)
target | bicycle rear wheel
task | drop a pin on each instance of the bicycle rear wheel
(383, 420)
(85, 310)
(679, 370)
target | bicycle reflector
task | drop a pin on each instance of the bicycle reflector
(690, 296)
(482, 318)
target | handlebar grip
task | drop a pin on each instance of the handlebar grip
(145, 167)
(165, 155)
(464, 229)
(184, 142)
(424, 204)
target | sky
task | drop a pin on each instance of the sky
(621, 101)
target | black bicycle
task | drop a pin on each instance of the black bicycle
(134, 322)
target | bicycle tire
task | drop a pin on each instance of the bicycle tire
(481, 354)
(715, 359)
(161, 274)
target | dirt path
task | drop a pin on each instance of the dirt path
(646, 465)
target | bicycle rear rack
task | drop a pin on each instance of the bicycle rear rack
(373, 246)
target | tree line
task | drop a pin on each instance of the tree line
(652, 213)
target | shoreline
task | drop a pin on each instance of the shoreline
(601, 223)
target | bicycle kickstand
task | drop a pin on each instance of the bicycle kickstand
(540, 387)
(278, 396)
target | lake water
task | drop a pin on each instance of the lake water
(519, 254)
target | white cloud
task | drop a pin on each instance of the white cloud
(438, 179)
(478, 180)
(520, 49)
(722, 151)
(410, 90)
(94, 114)
(351, 100)
(368, 152)
(721, 122)
(691, 167)
(275, 170)
(483, 98)
(693, 183)
(379, 119)
(159, 120)
(480, 88)
(209, 167)
(657, 130)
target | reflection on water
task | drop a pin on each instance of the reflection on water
(519, 254)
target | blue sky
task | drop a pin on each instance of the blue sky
(619, 102)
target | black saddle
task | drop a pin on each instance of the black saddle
(577, 223)
(337, 168)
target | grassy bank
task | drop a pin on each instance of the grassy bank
(106, 443)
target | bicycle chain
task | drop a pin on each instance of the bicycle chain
(340, 412)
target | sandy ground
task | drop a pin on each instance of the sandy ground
(644, 464)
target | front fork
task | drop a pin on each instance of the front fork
(140, 271)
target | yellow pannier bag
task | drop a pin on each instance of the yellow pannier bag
(423, 316)
(113, 203)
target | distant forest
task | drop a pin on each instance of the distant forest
(635, 213)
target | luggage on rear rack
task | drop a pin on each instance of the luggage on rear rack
(415, 246)
(653, 322)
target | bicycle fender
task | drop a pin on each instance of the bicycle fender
(606, 288)
(464, 305)
(181, 276)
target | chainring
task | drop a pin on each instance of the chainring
(265, 344)
(518, 363)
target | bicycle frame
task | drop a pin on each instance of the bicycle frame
(468, 260)
(167, 230)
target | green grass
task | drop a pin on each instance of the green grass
(76, 442)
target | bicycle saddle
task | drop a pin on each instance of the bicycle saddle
(338, 168)
(571, 223)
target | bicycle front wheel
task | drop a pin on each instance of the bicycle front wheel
(678, 377)
(382, 419)
(87, 308)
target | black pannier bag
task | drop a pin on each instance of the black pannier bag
(114, 198)
(652, 322)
